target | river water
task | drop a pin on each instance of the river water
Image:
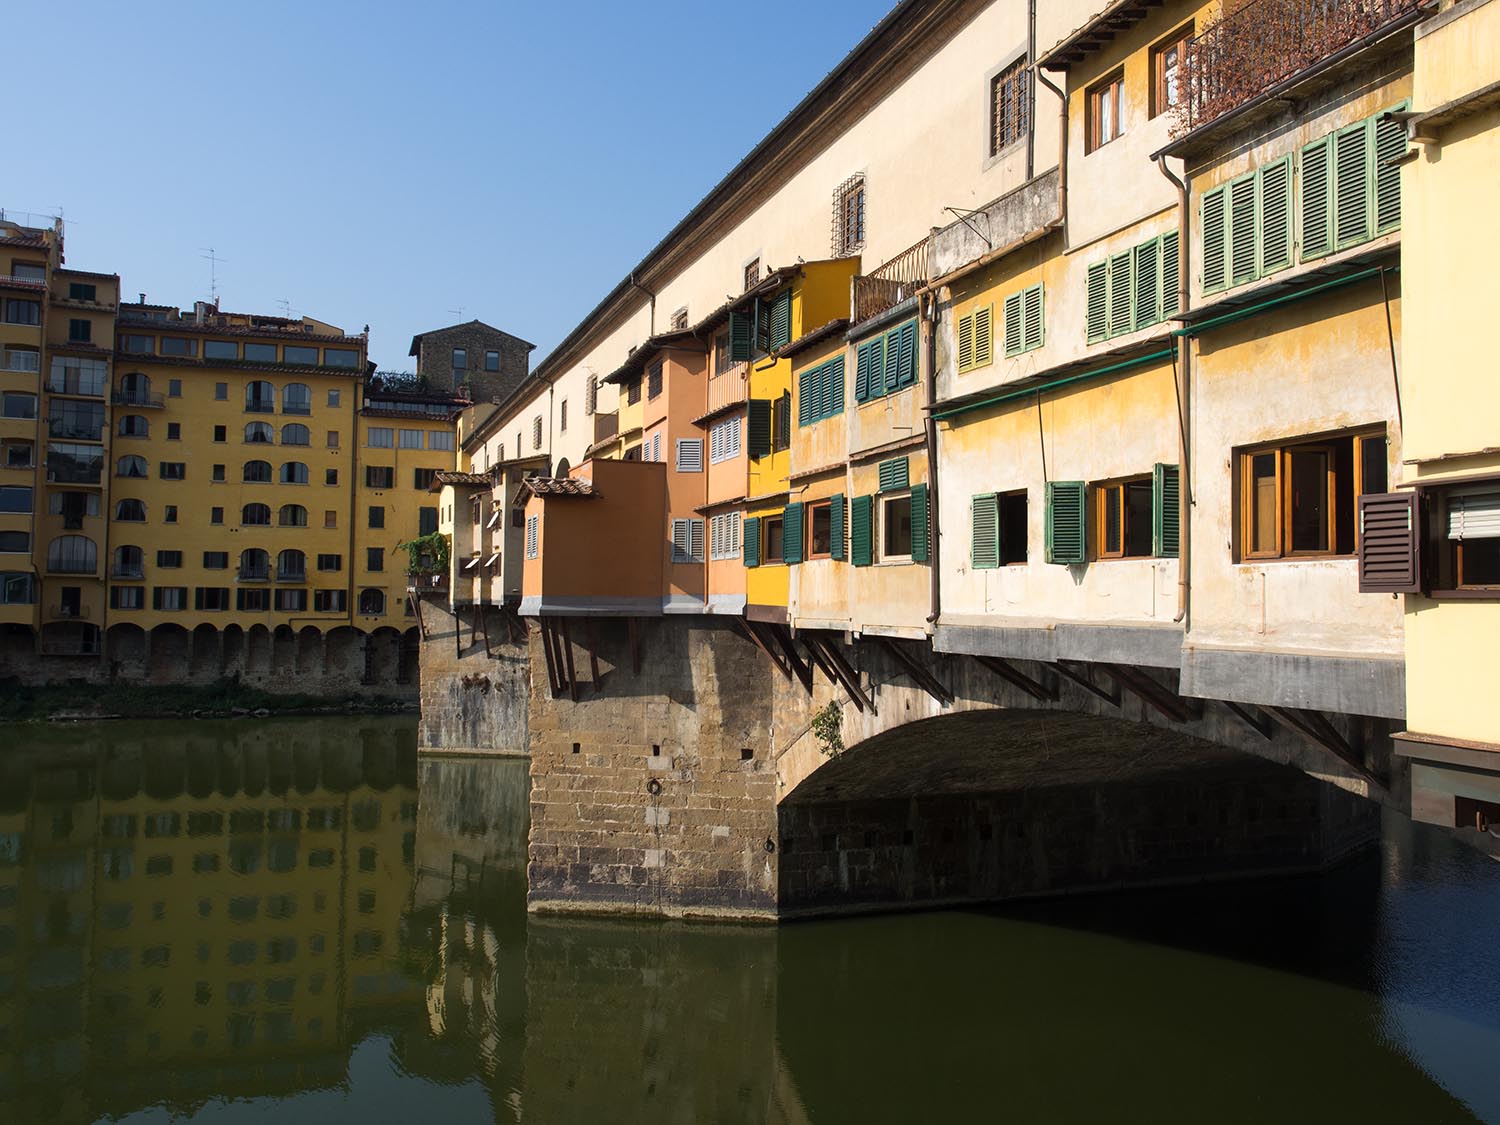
(297, 921)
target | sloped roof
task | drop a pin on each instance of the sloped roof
(416, 341)
(557, 486)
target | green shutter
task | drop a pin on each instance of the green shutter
(893, 368)
(836, 526)
(1067, 539)
(781, 320)
(1214, 230)
(919, 524)
(751, 547)
(741, 337)
(1242, 238)
(1031, 317)
(965, 343)
(809, 395)
(759, 436)
(859, 530)
(984, 531)
(1013, 335)
(1120, 296)
(1165, 511)
(791, 534)
(1390, 146)
(833, 387)
(907, 369)
(1351, 185)
(1096, 321)
(1171, 276)
(1147, 283)
(1317, 226)
(1274, 198)
(869, 357)
(895, 474)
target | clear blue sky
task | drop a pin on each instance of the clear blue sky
(385, 163)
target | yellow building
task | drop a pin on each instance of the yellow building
(1440, 537)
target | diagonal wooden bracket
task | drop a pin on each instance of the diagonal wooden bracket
(844, 673)
(1150, 692)
(749, 629)
(924, 678)
(1041, 692)
(802, 668)
(1315, 727)
(1085, 680)
(1252, 717)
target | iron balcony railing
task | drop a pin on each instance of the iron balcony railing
(895, 281)
(72, 566)
(428, 580)
(127, 570)
(148, 399)
(254, 574)
(1267, 42)
(283, 575)
(70, 612)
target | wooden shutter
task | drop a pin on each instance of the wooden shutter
(966, 343)
(1390, 146)
(654, 380)
(752, 540)
(1275, 206)
(781, 320)
(893, 368)
(860, 520)
(1215, 228)
(759, 436)
(1166, 512)
(1067, 540)
(984, 531)
(895, 474)
(1389, 544)
(809, 396)
(784, 420)
(1351, 185)
(1242, 240)
(695, 539)
(906, 368)
(681, 547)
(689, 455)
(1031, 318)
(1119, 294)
(1013, 334)
(836, 526)
(741, 337)
(919, 524)
(1096, 321)
(867, 376)
(1171, 276)
(1148, 283)
(1316, 213)
(984, 335)
(833, 387)
(791, 534)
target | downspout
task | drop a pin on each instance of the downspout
(934, 557)
(1062, 143)
(1184, 404)
(1030, 58)
(651, 327)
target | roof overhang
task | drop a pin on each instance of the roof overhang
(1096, 32)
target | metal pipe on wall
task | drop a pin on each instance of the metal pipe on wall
(1184, 403)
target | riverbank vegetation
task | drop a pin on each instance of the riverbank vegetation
(79, 699)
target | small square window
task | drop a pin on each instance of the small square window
(221, 392)
(80, 331)
(216, 515)
(218, 472)
(221, 433)
(819, 530)
(330, 518)
(377, 516)
(330, 476)
(771, 530)
(375, 558)
(333, 398)
(492, 361)
(333, 439)
(174, 388)
(174, 431)
(170, 514)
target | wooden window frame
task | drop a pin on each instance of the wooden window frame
(1179, 39)
(814, 508)
(766, 558)
(1115, 84)
(883, 501)
(1283, 450)
(1010, 103)
(1445, 566)
(1099, 491)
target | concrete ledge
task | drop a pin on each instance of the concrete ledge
(470, 752)
(591, 607)
(683, 603)
(1008, 641)
(1352, 685)
(1152, 646)
(731, 604)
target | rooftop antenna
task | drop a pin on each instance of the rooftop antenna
(458, 312)
(213, 271)
(286, 307)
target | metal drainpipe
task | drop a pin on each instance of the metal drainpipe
(1184, 400)
(1062, 143)
(651, 326)
(935, 555)
(1030, 60)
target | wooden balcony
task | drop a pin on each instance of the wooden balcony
(889, 285)
(730, 388)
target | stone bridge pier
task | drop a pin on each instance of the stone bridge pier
(694, 766)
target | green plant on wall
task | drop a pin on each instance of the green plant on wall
(828, 729)
(426, 554)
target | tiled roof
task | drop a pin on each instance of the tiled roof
(556, 486)
(637, 361)
(446, 476)
(808, 339)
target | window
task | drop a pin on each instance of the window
(16, 588)
(211, 599)
(1166, 70)
(172, 470)
(562, 417)
(375, 559)
(18, 454)
(255, 565)
(536, 427)
(820, 530)
(887, 363)
(1133, 289)
(333, 398)
(443, 439)
(724, 536)
(130, 511)
(256, 472)
(330, 563)
(130, 562)
(751, 274)
(221, 392)
(1298, 499)
(895, 527)
(372, 603)
(590, 397)
(820, 392)
(300, 355)
(127, 597)
(533, 537)
(421, 479)
(22, 312)
(849, 217)
(1464, 525)
(633, 391)
(330, 476)
(333, 439)
(379, 476)
(80, 330)
(169, 559)
(293, 472)
(169, 598)
(259, 433)
(215, 560)
(174, 431)
(296, 398)
(71, 375)
(492, 361)
(77, 420)
(1122, 518)
(28, 271)
(380, 437)
(687, 541)
(291, 566)
(178, 345)
(21, 359)
(290, 601)
(409, 439)
(1247, 227)
(1351, 185)
(15, 499)
(252, 601)
(255, 515)
(781, 423)
(260, 353)
(221, 349)
(16, 542)
(654, 381)
(330, 601)
(724, 441)
(16, 404)
(216, 515)
(771, 536)
(169, 514)
(1010, 106)
(460, 360)
(975, 339)
(292, 515)
(1023, 321)
(295, 433)
(138, 345)
(1106, 111)
(376, 516)
(260, 397)
(80, 291)
(340, 357)
(427, 521)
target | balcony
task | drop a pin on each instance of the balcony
(126, 570)
(72, 429)
(606, 426)
(72, 566)
(729, 388)
(1266, 43)
(69, 612)
(254, 574)
(291, 575)
(260, 406)
(427, 581)
(71, 384)
(146, 399)
(892, 283)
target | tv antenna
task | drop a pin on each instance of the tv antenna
(213, 271)
(286, 307)
(458, 312)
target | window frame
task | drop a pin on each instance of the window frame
(883, 501)
(850, 229)
(1099, 493)
(1113, 84)
(815, 509)
(766, 523)
(1016, 70)
(1178, 39)
(1283, 450)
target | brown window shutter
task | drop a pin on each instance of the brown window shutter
(1389, 543)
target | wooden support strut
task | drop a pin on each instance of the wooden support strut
(1086, 682)
(1041, 692)
(635, 644)
(547, 652)
(1315, 727)
(567, 643)
(592, 629)
(1150, 692)
(802, 668)
(1251, 717)
(754, 634)
(924, 679)
(819, 659)
(845, 674)
(484, 617)
(416, 605)
(458, 632)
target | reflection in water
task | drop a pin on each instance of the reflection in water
(224, 922)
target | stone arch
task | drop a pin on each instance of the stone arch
(17, 648)
(343, 656)
(284, 652)
(170, 648)
(125, 649)
(408, 665)
(562, 468)
(232, 652)
(310, 652)
(258, 651)
(206, 656)
(382, 655)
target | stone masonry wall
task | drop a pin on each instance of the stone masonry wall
(436, 360)
(474, 700)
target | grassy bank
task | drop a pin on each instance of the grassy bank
(79, 699)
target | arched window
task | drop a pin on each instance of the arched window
(130, 511)
(257, 472)
(295, 433)
(562, 468)
(292, 515)
(72, 554)
(259, 433)
(134, 425)
(131, 466)
(254, 564)
(294, 472)
(255, 515)
(296, 398)
(129, 562)
(135, 390)
(260, 397)
(291, 566)
(372, 603)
